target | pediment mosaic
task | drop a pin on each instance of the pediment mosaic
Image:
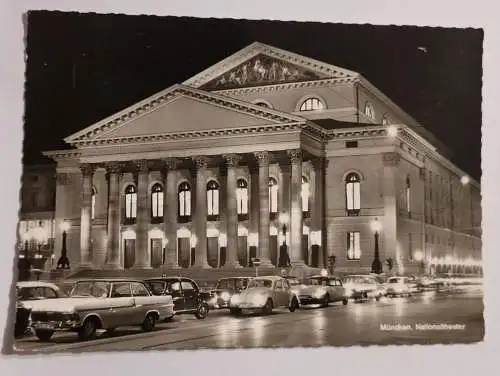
(260, 70)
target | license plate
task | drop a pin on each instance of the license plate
(45, 325)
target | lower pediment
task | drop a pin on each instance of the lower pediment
(184, 114)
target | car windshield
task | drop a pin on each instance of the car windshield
(260, 283)
(318, 282)
(225, 284)
(37, 293)
(96, 289)
(156, 287)
(394, 280)
(293, 282)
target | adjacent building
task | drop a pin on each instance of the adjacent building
(265, 154)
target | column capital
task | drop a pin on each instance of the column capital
(63, 178)
(200, 161)
(232, 160)
(141, 165)
(87, 169)
(319, 163)
(423, 173)
(263, 158)
(171, 163)
(391, 159)
(295, 155)
(113, 167)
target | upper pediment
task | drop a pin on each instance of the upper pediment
(179, 111)
(259, 64)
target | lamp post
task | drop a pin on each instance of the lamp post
(23, 263)
(63, 262)
(376, 226)
(284, 259)
(419, 257)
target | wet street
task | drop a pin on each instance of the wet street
(389, 321)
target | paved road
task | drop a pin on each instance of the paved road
(338, 325)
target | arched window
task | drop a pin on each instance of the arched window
(305, 195)
(94, 193)
(273, 195)
(385, 120)
(157, 201)
(262, 104)
(130, 202)
(369, 111)
(184, 200)
(352, 193)
(242, 196)
(213, 198)
(312, 104)
(408, 196)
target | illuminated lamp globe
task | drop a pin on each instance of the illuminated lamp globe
(324, 273)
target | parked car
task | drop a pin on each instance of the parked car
(322, 290)
(100, 304)
(294, 283)
(398, 286)
(27, 292)
(186, 294)
(263, 294)
(225, 289)
(362, 286)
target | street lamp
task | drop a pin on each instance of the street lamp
(376, 227)
(284, 260)
(63, 262)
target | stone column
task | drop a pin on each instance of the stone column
(263, 250)
(170, 213)
(296, 258)
(86, 213)
(318, 207)
(200, 213)
(232, 212)
(113, 247)
(142, 259)
(389, 229)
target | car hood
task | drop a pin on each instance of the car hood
(361, 286)
(65, 304)
(310, 290)
(253, 291)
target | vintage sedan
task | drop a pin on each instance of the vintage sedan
(100, 304)
(263, 294)
(322, 290)
(398, 286)
(186, 294)
(27, 292)
(362, 286)
(225, 289)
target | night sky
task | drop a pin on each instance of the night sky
(84, 67)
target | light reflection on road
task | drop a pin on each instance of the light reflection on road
(319, 323)
(228, 332)
(257, 331)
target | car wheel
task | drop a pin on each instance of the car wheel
(87, 331)
(345, 301)
(268, 308)
(326, 300)
(149, 322)
(44, 335)
(293, 305)
(201, 311)
(377, 298)
(235, 311)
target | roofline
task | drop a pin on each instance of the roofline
(254, 49)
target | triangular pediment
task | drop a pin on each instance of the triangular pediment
(180, 110)
(259, 64)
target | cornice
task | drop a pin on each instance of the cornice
(257, 48)
(58, 155)
(286, 86)
(121, 118)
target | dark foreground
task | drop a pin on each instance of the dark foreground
(389, 321)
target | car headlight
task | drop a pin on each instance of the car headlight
(225, 296)
(259, 300)
(235, 299)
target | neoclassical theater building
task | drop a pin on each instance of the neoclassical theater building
(270, 155)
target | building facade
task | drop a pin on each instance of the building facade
(266, 154)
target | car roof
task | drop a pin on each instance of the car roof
(226, 278)
(324, 276)
(118, 279)
(22, 284)
(271, 277)
(167, 278)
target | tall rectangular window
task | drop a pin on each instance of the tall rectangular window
(410, 246)
(353, 245)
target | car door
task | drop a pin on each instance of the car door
(190, 294)
(143, 301)
(174, 289)
(281, 294)
(122, 306)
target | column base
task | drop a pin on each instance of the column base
(170, 266)
(85, 266)
(298, 264)
(203, 265)
(265, 263)
(141, 266)
(112, 266)
(232, 265)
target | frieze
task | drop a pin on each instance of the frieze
(391, 159)
(261, 69)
